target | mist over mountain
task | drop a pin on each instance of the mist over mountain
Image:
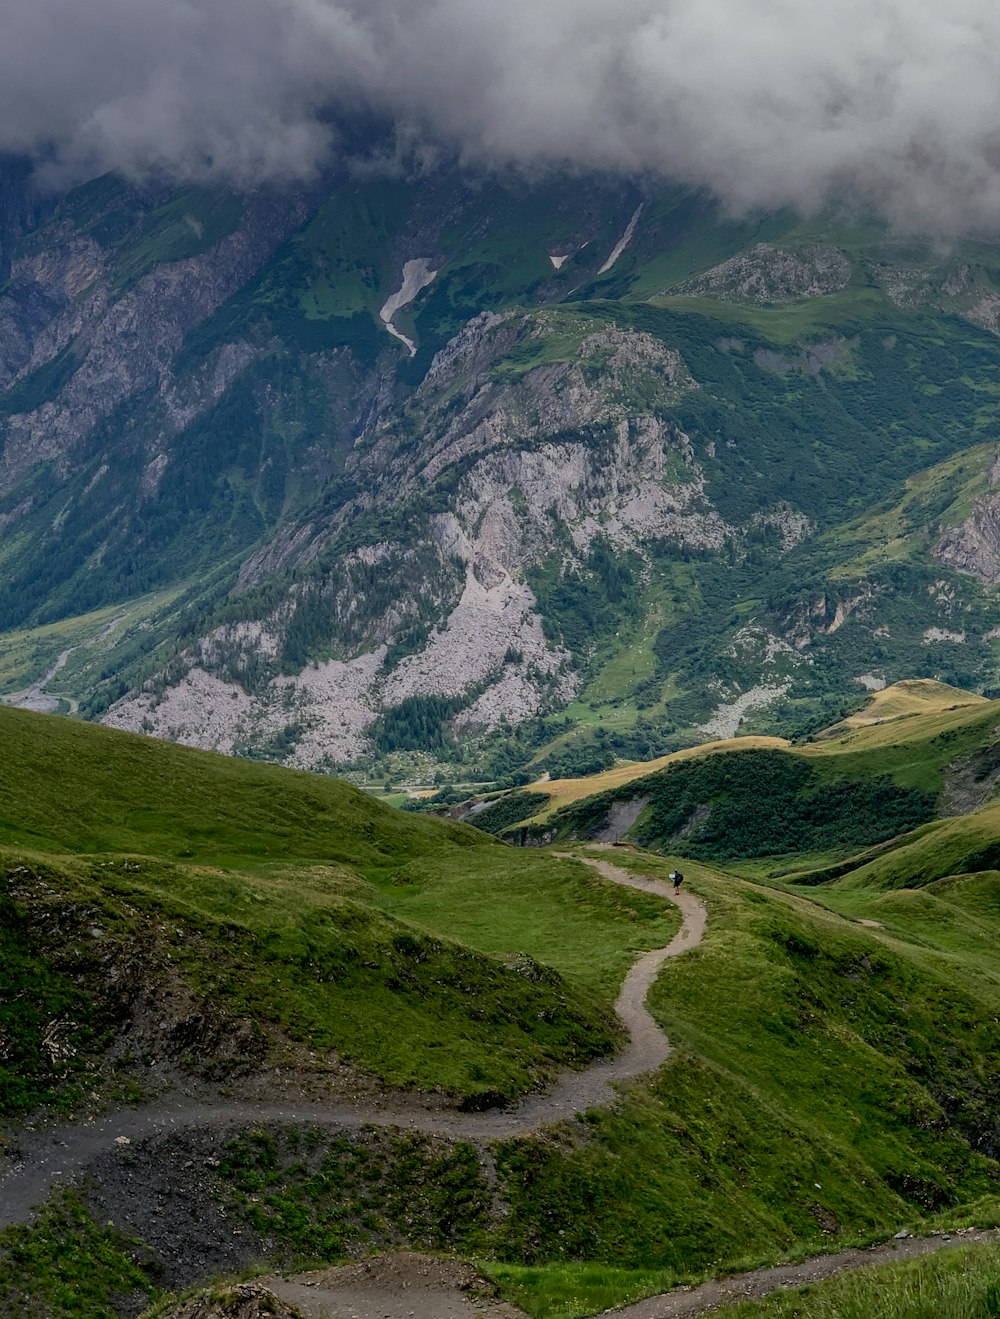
(894, 104)
(568, 421)
(436, 389)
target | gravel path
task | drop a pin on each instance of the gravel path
(393, 1286)
(56, 1156)
(686, 1302)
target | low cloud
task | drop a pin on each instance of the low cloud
(766, 102)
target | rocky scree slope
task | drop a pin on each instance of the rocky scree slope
(666, 492)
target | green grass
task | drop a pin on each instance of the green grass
(66, 1265)
(826, 799)
(960, 1283)
(787, 326)
(436, 958)
(571, 1291)
(725, 1159)
(560, 912)
(418, 949)
(73, 787)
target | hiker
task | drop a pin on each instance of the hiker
(677, 879)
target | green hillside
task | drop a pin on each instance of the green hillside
(308, 918)
(879, 775)
(301, 915)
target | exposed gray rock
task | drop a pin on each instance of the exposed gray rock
(974, 547)
(62, 300)
(774, 276)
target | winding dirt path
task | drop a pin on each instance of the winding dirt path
(57, 1155)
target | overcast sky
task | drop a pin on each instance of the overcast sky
(768, 102)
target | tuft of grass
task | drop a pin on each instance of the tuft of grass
(572, 1291)
(64, 1264)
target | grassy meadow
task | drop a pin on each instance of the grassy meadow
(833, 1074)
(727, 1158)
(422, 951)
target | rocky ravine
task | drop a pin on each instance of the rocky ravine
(551, 460)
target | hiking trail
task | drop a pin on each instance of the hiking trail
(400, 1285)
(56, 1155)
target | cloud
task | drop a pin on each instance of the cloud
(766, 102)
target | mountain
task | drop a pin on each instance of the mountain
(461, 474)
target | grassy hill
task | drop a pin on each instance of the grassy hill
(265, 913)
(917, 751)
(293, 913)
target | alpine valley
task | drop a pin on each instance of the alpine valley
(418, 472)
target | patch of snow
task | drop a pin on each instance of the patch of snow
(624, 241)
(559, 261)
(417, 275)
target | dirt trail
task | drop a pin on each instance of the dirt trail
(393, 1286)
(687, 1302)
(57, 1155)
(36, 697)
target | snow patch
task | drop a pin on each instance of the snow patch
(417, 275)
(624, 241)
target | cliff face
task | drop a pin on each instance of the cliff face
(557, 451)
(973, 547)
(392, 468)
(82, 322)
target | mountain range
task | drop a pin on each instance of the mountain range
(473, 476)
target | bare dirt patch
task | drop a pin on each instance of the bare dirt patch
(393, 1286)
